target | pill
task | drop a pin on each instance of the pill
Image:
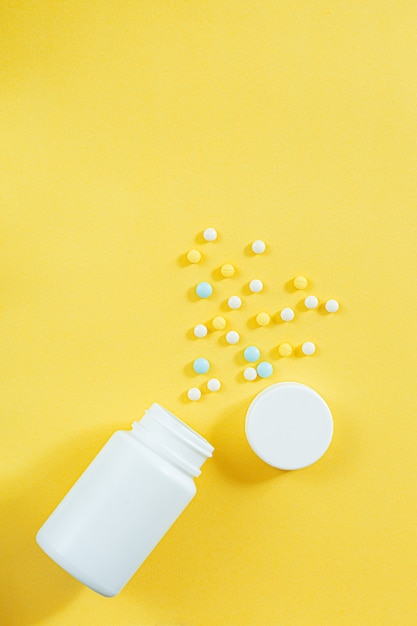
(251, 354)
(234, 302)
(300, 282)
(308, 348)
(331, 306)
(287, 314)
(265, 369)
(201, 366)
(256, 285)
(311, 302)
(214, 384)
(263, 319)
(200, 330)
(210, 234)
(218, 322)
(194, 394)
(232, 337)
(250, 373)
(258, 246)
(204, 290)
(285, 349)
(227, 270)
(194, 256)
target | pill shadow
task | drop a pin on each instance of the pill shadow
(290, 287)
(34, 587)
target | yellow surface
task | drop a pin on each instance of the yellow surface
(126, 129)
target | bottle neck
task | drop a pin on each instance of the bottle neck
(172, 439)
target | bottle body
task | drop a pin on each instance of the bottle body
(118, 510)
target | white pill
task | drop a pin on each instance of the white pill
(214, 384)
(331, 306)
(287, 314)
(308, 348)
(234, 302)
(311, 302)
(258, 246)
(194, 394)
(210, 234)
(256, 285)
(250, 373)
(200, 330)
(232, 337)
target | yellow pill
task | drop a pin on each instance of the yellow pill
(300, 282)
(219, 322)
(285, 349)
(194, 256)
(263, 319)
(227, 270)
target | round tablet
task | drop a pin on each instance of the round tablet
(201, 366)
(311, 302)
(219, 322)
(234, 302)
(250, 373)
(258, 247)
(227, 270)
(214, 384)
(251, 354)
(331, 306)
(204, 290)
(194, 256)
(265, 369)
(287, 314)
(308, 348)
(200, 330)
(232, 337)
(256, 285)
(194, 394)
(289, 425)
(300, 282)
(210, 234)
(285, 349)
(263, 319)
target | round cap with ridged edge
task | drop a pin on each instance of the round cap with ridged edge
(289, 425)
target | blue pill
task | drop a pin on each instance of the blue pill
(204, 290)
(251, 354)
(265, 369)
(201, 366)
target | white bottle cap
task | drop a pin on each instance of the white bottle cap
(289, 425)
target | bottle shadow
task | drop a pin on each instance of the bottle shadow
(35, 587)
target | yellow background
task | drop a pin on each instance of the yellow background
(126, 128)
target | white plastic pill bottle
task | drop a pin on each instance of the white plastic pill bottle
(125, 501)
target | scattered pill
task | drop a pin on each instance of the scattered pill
(201, 366)
(311, 302)
(200, 330)
(214, 384)
(251, 354)
(227, 270)
(258, 247)
(234, 302)
(204, 290)
(287, 314)
(263, 319)
(194, 256)
(300, 282)
(285, 349)
(265, 369)
(210, 234)
(194, 394)
(331, 306)
(250, 373)
(256, 285)
(219, 322)
(308, 348)
(232, 337)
